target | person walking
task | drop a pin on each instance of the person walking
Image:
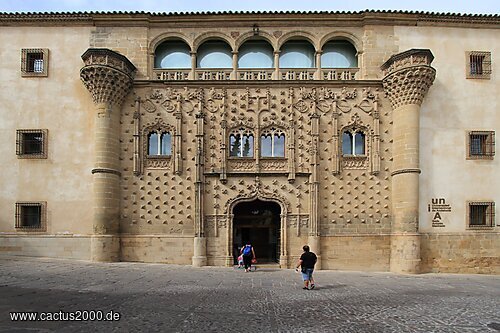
(248, 255)
(306, 262)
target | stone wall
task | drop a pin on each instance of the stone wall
(169, 249)
(131, 42)
(356, 252)
(475, 252)
(55, 246)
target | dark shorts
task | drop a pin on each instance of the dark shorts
(308, 274)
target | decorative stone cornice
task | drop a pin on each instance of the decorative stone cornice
(107, 75)
(408, 76)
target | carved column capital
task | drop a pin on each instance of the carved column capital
(107, 75)
(408, 76)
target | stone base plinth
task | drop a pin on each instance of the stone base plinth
(200, 252)
(105, 248)
(315, 246)
(405, 253)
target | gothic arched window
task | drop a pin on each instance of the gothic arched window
(159, 143)
(272, 143)
(241, 143)
(353, 143)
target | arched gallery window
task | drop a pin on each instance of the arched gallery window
(159, 143)
(353, 143)
(339, 54)
(214, 54)
(255, 54)
(241, 143)
(172, 54)
(272, 143)
(297, 54)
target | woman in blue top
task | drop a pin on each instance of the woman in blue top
(248, 255)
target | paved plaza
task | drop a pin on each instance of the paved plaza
(173, 298)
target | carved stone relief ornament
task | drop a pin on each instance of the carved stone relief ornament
(215, 100)
(369, 100)
(298, 221)
(258, 100)
(256, 191)
(107, 75)
(170, 100)
(214, 224)
(342, 101)
(408, 77)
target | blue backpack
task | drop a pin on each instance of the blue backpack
(247, 250)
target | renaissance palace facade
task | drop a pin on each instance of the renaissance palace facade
(175, 138)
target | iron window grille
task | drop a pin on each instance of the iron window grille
(34, 62)
(31, 216)
(31, 143)
(478, 65)
(481, 214)
(481, 145)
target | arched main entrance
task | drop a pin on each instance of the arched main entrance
(258, 222)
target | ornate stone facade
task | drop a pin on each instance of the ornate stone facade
(188, 163)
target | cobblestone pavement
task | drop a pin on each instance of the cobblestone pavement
(172, 298)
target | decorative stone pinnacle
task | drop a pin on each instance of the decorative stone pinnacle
(107, 75)
(408, 76)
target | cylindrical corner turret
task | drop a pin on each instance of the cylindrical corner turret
(109, 78)
(408, 76)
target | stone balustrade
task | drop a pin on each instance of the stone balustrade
(260, 74)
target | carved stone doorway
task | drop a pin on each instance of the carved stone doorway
(258, 222)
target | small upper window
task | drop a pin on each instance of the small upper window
(481, 214)
(481, 145)
(31, 143)
(34, 62)
(339, 54)
(272, 143)
(241, 143)
(353, 143)
(478, 65)
(172, 54)
(30, 216)
(159, 144)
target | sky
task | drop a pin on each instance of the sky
(442, 6)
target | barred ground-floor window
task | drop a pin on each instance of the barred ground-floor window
(481, 214)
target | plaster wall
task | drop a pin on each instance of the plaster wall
(59, 103)
(454, 106)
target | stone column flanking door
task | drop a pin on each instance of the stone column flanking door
(109, 77)
(314, 239)
(407, 78)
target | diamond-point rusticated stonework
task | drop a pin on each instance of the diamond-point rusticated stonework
(107, 75)
(408, 76)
